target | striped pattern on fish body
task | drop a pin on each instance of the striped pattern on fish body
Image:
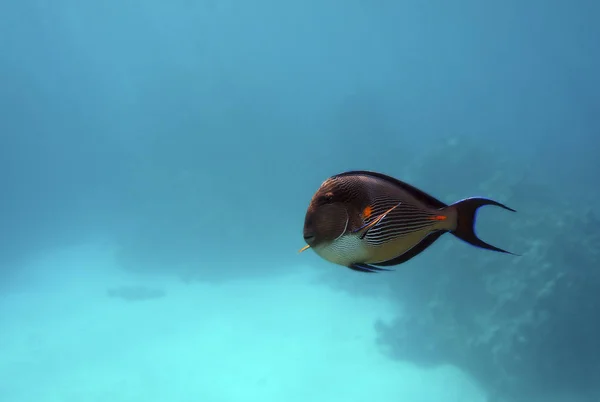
(365, 219)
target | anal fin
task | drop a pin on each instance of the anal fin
(367, 268)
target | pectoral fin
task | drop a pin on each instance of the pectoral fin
(363, 230)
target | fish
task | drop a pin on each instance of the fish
(369, 221)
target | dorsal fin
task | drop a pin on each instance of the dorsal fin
(415, 192)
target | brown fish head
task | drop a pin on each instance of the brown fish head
(333, 211)
(326, 218)
(331, 218)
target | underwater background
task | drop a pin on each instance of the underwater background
(157, 160)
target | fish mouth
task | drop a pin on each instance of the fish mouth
(309, 237)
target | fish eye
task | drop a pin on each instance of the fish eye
(327, 198)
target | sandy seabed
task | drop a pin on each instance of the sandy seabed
(285, 339)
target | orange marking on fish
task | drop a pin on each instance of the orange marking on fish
(367, 212)
(438, 218)
(375, 221)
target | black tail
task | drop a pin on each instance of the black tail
(466, 217)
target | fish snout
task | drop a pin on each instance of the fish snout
(309, 236)
(309, 229)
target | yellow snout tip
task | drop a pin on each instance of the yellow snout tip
(304, 248)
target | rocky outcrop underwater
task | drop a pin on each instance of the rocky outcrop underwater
(526, 328)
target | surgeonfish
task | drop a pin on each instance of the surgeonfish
(367, 221)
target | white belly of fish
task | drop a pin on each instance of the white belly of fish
(344, 251)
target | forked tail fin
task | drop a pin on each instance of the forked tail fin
(466, 218)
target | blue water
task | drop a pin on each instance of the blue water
(157, 159)
(244, 340)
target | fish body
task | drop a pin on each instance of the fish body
(366, 220)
